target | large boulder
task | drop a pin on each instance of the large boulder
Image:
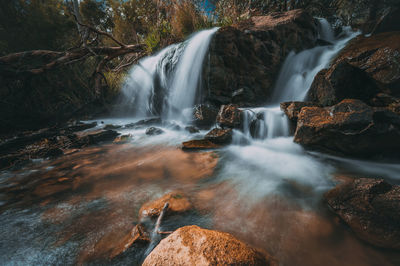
(350, 127)
(366, 67)
(244, 60)
(192, 245)
(371, 208)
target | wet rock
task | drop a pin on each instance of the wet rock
(153, 131)
(230, 116)
(97, 137)
(137, 234)
(123, 139)
(292, 109)
(350, 127)
(79, 126)
(340, 82)
(177, 200)
(192, 129)
(145, 122)
(245, 59)
(111, 127)
(192, 245)
(220, 136)
(366, 67)
(202, 144)
(383, 99)
(371, 208)
(204, 115)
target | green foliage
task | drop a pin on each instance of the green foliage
(115, 81)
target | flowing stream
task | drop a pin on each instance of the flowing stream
(263, 188)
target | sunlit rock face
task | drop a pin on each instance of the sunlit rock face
(350, 127)
(192, 245)
(245, 59)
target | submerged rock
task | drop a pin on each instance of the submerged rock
(201, 144)
(145, 122)
(371, 208)
(153, 131)
(112, 127)
(123, 139)
(230, 116)
(137, 234)
(350, 127)
(220, 136)
(192, 245)
(178, 203)
(192, 129)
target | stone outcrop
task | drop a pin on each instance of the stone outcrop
(50, 143)
(371, 208)
(230, 116)
(350, 127)
(245, 59)
(367, 67)
(177, 200)
(204, 115)
(292, 109)
(192, 245)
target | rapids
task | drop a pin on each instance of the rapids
(263, 189)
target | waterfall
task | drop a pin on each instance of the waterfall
(294, 81)
(166, 83)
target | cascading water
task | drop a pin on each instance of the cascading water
(166, 84)
(294, 81)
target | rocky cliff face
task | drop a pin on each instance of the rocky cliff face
(244, 60)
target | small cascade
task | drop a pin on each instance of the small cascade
(262, 123)
(294, 81)
(325, 30)
(166, 83)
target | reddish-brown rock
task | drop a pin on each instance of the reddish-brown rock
(230, 116)
(192, 245)
(350, 127)
(220, 136)
(178, 203)
(199, 144)
(367, 66)
(292, 109)
(371, 208)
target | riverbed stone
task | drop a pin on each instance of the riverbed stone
(177, 200)
(230, 116)
(370, 207)
(199, 144)
(220, 136)
(153, 131)
(192, 245)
